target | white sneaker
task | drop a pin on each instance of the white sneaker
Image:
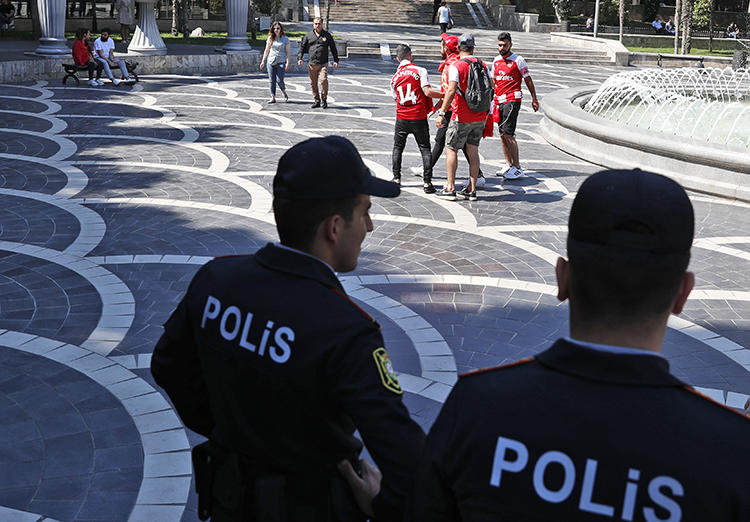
(503, 170)
(115, 81)
(93, 83)
(417, 171)
(99, 82)
(514, 173)
(481, 182)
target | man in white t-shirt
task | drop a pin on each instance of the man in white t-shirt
(104, 52)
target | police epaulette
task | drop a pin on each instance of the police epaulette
(706, 397)
(355, 305)
(502, 366)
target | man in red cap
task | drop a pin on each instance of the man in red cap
(449, 54)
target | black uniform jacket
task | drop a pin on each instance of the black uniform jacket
(267, 356)
(577, 434)
(317, 47)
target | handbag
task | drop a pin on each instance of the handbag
(450, 23)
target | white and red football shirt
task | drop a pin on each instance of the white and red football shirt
(459, 72)
(406, 88)
(508, 73)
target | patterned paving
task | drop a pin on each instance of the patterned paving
(110, 200)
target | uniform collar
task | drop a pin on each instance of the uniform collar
(297, 263)
(404, 62)
(597, 365)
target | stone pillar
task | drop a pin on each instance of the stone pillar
(146, 39)
(52, 20)
(236, 26)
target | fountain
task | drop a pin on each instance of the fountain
(690, 124)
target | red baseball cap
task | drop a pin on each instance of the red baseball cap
(451, 41)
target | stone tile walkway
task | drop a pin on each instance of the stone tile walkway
(112, 198)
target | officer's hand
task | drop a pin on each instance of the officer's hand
(335, 64)
(365, 487)
(299, 62)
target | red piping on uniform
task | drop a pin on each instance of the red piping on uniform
(482, 370)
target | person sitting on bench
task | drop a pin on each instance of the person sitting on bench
(83, 56)
(7, 15)
(104, 52)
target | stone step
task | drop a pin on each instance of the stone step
(569, 57)
(412, 11)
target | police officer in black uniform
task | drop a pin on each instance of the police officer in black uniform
(595, 427)
(268, 358)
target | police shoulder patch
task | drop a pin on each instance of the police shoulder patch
(386, 371)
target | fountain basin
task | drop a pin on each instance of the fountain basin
(698, 165)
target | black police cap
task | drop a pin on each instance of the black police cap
(327, 168)
(633, 211)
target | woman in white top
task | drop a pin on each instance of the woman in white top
(276, 59)
(444, 17)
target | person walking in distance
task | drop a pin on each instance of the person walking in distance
(268, 358)
(508, 69)
(317, 42)
(411, 89)
(444, 16)
(596, 427)
(466, 126)
(276, 56)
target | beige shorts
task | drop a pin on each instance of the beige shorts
(462, 133)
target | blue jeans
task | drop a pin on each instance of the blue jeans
(276, 74)
(108, 71)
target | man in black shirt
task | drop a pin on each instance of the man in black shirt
(596, 428)
(317, 42)
(268, 358)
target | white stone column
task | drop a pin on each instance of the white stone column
(52, 19)
(236, 26)
(147, 39)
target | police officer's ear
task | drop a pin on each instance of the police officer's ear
(686, 286)
(562, 270)
(331, 227)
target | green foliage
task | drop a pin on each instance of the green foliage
(562, 9)
(650, 9)
(268, 7)
(701, 13)
(216, 6)
(609, 12)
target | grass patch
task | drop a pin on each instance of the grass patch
(670, 50)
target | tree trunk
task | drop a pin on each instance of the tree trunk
(36, 26)
(622, 18)
(677, 23)
(174, 17)
(184, 19)
(711, 28)
(251, 11)
(687, 23)
(328, 12)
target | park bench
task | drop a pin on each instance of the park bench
(688, 57)
(71, 69)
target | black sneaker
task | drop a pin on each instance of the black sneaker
(465, 194)
(449, 195)
(396, 179)
(325, 104)
(315, 105)
(429, 189)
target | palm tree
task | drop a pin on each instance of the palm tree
(622, 18)
(677, 23)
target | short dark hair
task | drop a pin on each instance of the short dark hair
(81, 32)
(612, 286)
(297, 221)
(504, 37)
(106, 30)
(403, 52)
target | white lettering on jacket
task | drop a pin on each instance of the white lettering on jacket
(512, 456)
(231, 326)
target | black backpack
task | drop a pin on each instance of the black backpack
(479, 90)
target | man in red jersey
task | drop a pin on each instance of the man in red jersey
(411, 89)
(507, 71)
(465, 127)
(449, 54)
